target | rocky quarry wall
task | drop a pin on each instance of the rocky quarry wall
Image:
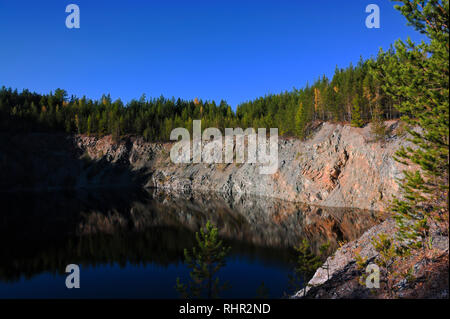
(339, 166)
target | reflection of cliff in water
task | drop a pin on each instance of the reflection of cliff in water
(46, 231)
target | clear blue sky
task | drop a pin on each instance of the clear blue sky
(232, 50)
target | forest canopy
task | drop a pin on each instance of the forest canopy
(352, 95)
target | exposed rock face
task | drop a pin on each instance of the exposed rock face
(338, 167)
(339, 276)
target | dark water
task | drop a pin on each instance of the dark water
(129, 244)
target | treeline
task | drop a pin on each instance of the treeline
(154, 118)
(352, 95)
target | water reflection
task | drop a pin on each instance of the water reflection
(40, 233)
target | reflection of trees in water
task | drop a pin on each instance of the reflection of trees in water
(46, 231)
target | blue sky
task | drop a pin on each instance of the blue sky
(231, 50)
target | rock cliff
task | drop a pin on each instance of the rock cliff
(339, 166)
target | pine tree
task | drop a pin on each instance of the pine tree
(417, 77)
(77, 123)
(306, 265)
(89, 125)
(317, 102)
(205, 261)
(378, 128)
(301, 120)
(356, 114)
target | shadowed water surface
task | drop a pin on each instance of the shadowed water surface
(129, 244)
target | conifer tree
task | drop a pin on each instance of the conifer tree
(301, 120)
(417, 77)
(89, 125)
(317, 102)
(356, 114)
(306, 264)
(378, 128)
(205, 261)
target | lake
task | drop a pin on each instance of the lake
(130, 243)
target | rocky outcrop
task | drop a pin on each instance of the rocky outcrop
(339, 277)
(338, 167)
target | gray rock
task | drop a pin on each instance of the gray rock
(338, 166)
